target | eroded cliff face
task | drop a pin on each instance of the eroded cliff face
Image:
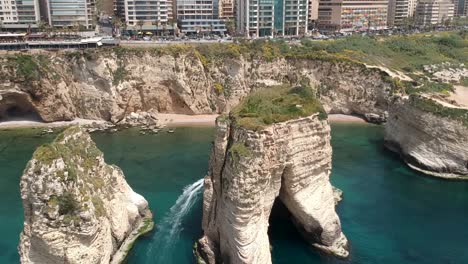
(430, 137)
(248, 170)
(78, 209)
(111, 84)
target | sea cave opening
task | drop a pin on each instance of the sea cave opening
(285, 235)
(17, 107)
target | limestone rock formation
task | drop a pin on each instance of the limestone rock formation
(78, 209)
(249, 169)
(431, 137)
(111, 84)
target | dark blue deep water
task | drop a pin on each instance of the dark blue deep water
(390, 213)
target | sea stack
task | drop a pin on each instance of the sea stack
(275, 144)
(77, 208)
(430, 135)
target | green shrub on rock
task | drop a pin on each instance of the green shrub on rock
(276, 104)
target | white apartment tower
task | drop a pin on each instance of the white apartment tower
(151, 12)
(259, 18)
(399, 10)
(19, 14)
(69, 13)
(432, 12)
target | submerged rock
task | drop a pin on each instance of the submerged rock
(430, 137)
(249, 169)
(78, 209)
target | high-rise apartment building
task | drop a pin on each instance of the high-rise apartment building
(349, 15)
(148, 13)
(460, 7)
(432, 12)
(226, 9)
(199, 16)
(399, 11)
(313, 12)
(68, 13)
(119, 8)
(258, 18)
(19, 14)
(171, 9)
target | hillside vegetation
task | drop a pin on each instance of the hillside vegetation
(405, 53)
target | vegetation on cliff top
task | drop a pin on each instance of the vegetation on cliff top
(27, 67)
(431, 106)
(79, 156)
(406, 53)
(276, 104)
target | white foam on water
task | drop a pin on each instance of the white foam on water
(169, 229)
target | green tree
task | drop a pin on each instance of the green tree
(41, 25)
(230, 26)
(117, 23)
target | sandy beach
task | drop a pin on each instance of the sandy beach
(31, 124)
(209, 120)
(340, 118)
(187, 120)
(173, 120)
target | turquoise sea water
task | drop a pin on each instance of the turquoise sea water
(389, 213)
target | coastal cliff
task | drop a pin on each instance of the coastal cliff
(113, 83)
(78, 209)
(257, 158)
(431, 136)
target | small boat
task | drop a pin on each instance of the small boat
(143, 132)
(47, 131)
(171, 131)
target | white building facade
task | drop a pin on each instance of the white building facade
(432, 12)
(399, 11)
(260, 18)
(19, 14)
(149, 12)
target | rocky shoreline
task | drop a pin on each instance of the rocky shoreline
(429, 136)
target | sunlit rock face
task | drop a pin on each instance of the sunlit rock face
(248, 170)
(430, 137)
(77, 209)
(112, 84)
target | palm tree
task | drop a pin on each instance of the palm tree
(76, 27)
(173, 23)
(164, 28)
(116, 24)
(41, 25)
(157, 23)
(230, 26)
(140, 24)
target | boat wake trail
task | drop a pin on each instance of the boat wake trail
(168, 231)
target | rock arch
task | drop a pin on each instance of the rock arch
(289, 160)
